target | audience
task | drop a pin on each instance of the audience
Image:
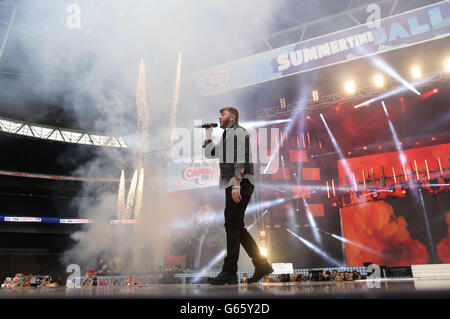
(47, 282)
(356, 275)
(131, 282)
(90, 279)
(87, 278)
(325, 275)
(16, 281)
(27, 281)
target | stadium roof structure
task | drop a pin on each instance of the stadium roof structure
(302, 20)
(59, 134)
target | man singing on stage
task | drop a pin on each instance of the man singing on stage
(237, 178)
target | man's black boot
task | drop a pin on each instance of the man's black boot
(224, 278)
(261, 270)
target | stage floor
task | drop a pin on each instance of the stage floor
(383, 288)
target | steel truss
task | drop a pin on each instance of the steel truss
(362, 94)
(59, 134)
(301, 28)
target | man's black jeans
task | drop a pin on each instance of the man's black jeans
(236, 232)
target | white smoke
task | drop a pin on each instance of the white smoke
(92, 71)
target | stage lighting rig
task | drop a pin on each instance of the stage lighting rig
(263, 251)
(391, 188)
(374, 193)
(447, 182)
(315, 95)
(404, 188)
(379, 80)
(350, 87)
(347, 198)
(434, 185)
(416, 72)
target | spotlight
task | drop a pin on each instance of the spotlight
(308, 117)
(316, 249)
(263, 251)
(315, 95)
(404, 188)
(433, 138)
(435, 91)
(447, 181)
(379, 81)
(350, 87)
(391, 188)
(416, 72)
(375, 194)
(447, 64)
(434, 185)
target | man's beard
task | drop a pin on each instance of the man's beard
(225, 123)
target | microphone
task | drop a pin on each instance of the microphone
(206, 125)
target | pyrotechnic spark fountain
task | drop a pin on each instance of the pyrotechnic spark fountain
(131, 195)
(134, 203)
(140, 192)
(143, 115)
(176, 97)
(121, 197)
(316, 249)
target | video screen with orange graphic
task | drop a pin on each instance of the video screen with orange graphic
(397, 212)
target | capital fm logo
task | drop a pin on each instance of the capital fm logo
(200, 173)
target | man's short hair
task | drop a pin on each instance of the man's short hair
(232, 110)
